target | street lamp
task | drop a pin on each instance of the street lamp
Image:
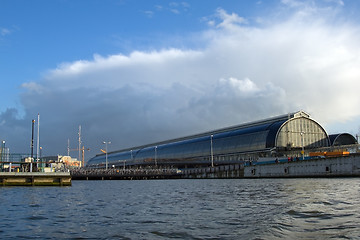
(155, 156)
(211, 150)
(106, 154)
(41, 162)
(302, 143)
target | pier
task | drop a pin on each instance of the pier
(125, 174)
(23, 170)
(35, 179)
(341, 166)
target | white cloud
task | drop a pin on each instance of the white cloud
(4, 31)
(159, 7)
(243, 73)
(174, 7)
(173, 10)
(149, 13)
(33, 87)
(244, 87)
(339, 2)
(229, 20)
(294, 3)
(152, 68)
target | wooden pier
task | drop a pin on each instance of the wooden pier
(35, 179)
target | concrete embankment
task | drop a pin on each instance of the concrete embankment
(226, 171)
(35, 179)
(347, 166)
(125, 174)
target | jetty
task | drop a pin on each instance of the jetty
(35, 179)
(125, 174)
(22, 170)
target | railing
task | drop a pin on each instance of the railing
(116, 173)
(19, 162)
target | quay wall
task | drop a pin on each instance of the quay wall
(348, 166)
(226, 171)
(124, 174)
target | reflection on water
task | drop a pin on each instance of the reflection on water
(185, 209)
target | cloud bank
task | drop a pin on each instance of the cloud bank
(244, 72)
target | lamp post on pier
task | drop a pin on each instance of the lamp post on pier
(211, 150)
(302, 145)
(106, 154)
(155, 156)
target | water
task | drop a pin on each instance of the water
(184, 209)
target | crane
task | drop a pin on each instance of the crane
(82, 149)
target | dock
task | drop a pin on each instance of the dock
(342, 166)
(125, 174)
(35, 179)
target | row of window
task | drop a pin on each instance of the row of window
(199, 149)
(298, 132)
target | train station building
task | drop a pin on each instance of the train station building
(294, 134)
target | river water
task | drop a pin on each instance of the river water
(184, 209)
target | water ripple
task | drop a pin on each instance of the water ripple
(185, 209)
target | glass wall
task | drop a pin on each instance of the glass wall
(301, 132)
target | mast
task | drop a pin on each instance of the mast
(79, 143)
(68, 148)
(32, 139)
(38, 138)
(32, 144)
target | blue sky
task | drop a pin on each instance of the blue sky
(135, 72)
(38, 35)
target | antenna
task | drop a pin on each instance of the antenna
(79, 143)
(38, 138)
(32, 143)
(68, 148)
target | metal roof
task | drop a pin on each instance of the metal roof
(342, 139)
(271, 124)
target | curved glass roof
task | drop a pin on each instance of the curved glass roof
(250, 137)
(342, 139)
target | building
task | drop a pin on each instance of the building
(294, 134)
(60, 162)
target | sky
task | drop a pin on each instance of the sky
(137, 72)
